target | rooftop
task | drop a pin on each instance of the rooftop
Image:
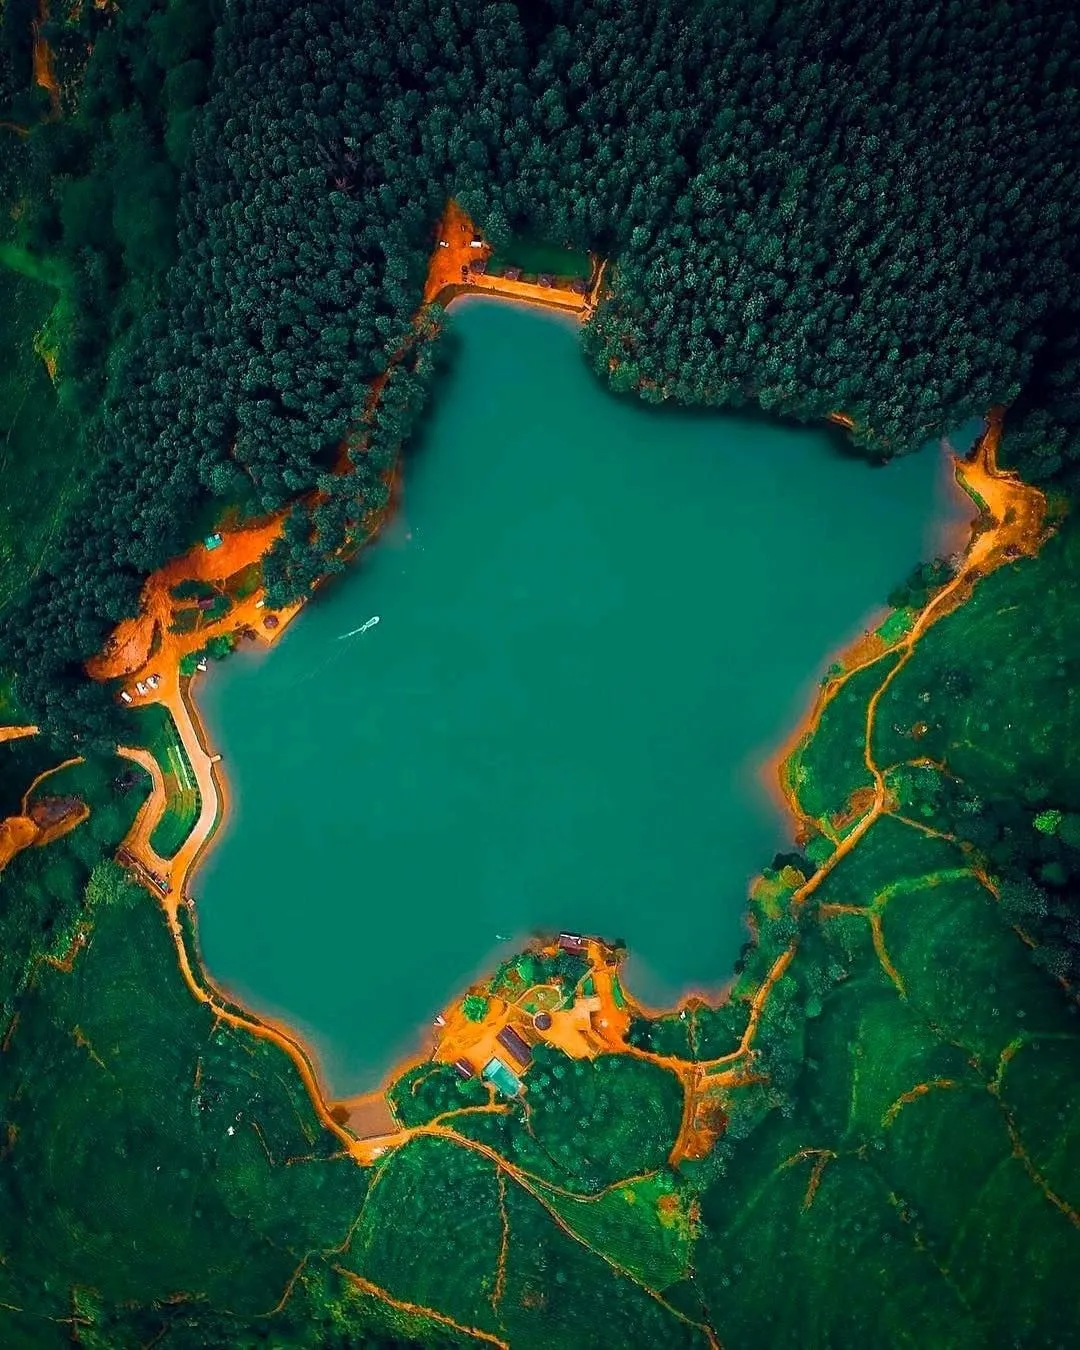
(511, 1040)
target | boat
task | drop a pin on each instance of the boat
(362, 629)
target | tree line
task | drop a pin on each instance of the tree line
(824, 205)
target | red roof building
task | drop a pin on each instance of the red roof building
(511, 1041)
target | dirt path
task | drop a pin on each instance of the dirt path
(461, 253)
(145, 647)
(44, 66)
(540, 1190)
(16, 733)
(419, 1310)
(1010, 524)
(137, 844)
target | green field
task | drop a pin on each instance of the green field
(182, 800)
(534, 256)
(902, 1166)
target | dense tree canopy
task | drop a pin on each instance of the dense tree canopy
(813, 206)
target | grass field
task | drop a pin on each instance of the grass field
(182, 801)
(532, 257)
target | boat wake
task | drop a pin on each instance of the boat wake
(362, 629)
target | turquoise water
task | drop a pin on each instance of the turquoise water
(596, 620)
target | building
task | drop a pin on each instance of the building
(464, 1068)
(502, 1076)
(476, 242)
(516, 1044)
(212, 541)
(572, 942)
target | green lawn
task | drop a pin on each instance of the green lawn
(159, 735)
(532, 257)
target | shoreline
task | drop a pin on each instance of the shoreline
(168, 879)
(865, 649)
(132, 650)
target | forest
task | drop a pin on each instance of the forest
(811, 207)
(215, 222)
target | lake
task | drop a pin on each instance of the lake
(596, 620)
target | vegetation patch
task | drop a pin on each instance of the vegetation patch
(647, 1226)
(182, 799)
(38, 438)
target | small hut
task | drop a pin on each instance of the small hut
(579, 286)
(478, 265)
(512, 273)
(545, 279)
(542, 1021)
(271, 621)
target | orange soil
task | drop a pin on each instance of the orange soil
(16, 733)
(19, 832)
(913, 1095)
(16, 833)
(128, 651)
(594, 1025)
(450, 274)
(44, 71)
(1011, 523)
(418, 1309)
(144, 646)
(24, 830)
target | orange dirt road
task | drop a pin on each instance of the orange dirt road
(450, 272)
(24, 830)
(16, 733)
(1011, 524)
(44, 67)
(144, 646)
